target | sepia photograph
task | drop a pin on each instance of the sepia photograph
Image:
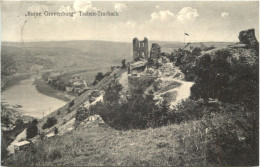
(129, 83)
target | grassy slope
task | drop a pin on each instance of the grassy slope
(190, 143)
(94, 145)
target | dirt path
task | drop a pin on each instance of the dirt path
(183, 91)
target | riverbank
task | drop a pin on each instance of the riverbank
(43, 88)
(9, 81)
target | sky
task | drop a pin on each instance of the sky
(158, 21)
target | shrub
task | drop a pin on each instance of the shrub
(98, 77)
(209, 48)
(232, 138)
(81, 114)
(49, 123)
(8, 65)
(107, 73)
(71, 104)
(56, 131)
(123, 63)
(196, 51)
(186, 111)
(5, 120)
(135, 113)
(32, 129)
(19, 122)
(55, 154)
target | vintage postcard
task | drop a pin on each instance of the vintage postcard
(129, 83)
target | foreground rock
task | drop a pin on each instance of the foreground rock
(248, 37)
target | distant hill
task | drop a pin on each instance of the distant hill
(169, 47)
(66, 54)
(35, 56)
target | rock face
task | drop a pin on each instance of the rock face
(248, 37)
(91, 121)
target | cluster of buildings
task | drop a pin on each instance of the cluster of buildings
(77, 84)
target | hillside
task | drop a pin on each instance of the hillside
(186, 108)
(67, 54)
(35, 56)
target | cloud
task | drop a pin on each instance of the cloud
(224, 14)
(39, 8)
(157, 6)
(120, 7)
(187, 13)
(162, 15)
(83, 6)
(131, 23)
(65, 9)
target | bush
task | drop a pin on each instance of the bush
(49, 123)
(8, 65)
(196, 51)
(5, 120)
(98, 77)
(19, 122)
(186, 111)
(123, 63)
(32, 129)
(135, 113)
(71, 104)
(209, 48)
(107, 73)
(56, 154)
(81, 114)
(56, 131)
(232, 138)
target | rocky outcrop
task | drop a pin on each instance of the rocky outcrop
(247, 49)
(93, 121)
(248, 37)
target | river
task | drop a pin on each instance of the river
(33, 103)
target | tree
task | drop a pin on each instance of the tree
(56, 130)
(98, 78)
(32, 130)
(49, 123)
(196, 51)
(19, 122)
(124, 63)
(112, 92)
(8, 65)
(5, 120)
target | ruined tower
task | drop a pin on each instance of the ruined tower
(155, 51)
(140, 49)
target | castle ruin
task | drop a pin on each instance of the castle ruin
(140, 49)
